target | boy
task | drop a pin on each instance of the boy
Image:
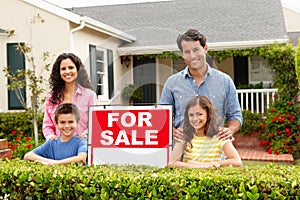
(67, 148)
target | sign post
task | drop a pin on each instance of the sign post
(139, 135)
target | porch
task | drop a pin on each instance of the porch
(248, 146)
(256, 100)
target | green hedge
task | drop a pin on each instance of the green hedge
(19, 122)
(25, 180)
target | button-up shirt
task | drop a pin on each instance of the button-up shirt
(83, 98)
(216, 85)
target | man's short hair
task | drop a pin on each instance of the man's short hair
(67, 108)
(191, 35)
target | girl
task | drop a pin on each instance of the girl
(69, 83)
(202, 148)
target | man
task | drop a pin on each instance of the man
(198, 78)
(68, 147)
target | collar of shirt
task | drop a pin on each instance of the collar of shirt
(186, 72)
(79, 90)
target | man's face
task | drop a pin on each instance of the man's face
(66, 124)
(194, 54)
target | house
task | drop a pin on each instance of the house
(227, 25)
(291, 11)
(110, 39)
(94, 42)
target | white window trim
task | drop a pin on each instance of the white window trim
(104, 96)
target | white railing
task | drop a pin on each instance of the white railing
(256, 100)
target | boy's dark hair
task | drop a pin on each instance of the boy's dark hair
(67, 108)
(191, 35)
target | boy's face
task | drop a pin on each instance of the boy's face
(66, 124)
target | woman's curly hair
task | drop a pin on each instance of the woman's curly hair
(213, 120)
(57, 84)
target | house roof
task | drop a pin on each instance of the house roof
(78, 19)
(225, 23)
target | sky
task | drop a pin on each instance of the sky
(291, 4)
(83, 3)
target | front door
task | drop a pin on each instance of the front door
(144, 76)
(241, 70)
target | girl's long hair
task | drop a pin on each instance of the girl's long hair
(57, 84)
(213, 119)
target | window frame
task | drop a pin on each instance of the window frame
(11, 62)
(95, 72)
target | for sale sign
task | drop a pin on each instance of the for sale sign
(130, 135)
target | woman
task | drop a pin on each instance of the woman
(69, 83)
(202, 148)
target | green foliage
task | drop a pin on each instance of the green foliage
(252, 122)
(26, 180)
(251, 86)
(281, 60)
(19, 122)
(21, 144)
(132, 92)
(282, 127)
(164, 55)
(297, 61)
(17, 128)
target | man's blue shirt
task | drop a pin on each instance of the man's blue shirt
(216, 85)
(57, 150)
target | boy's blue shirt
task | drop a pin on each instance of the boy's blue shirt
(57, 150)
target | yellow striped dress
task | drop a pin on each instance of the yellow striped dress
(204, 149)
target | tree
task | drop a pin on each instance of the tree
(29, 77)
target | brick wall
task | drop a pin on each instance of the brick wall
(247, 141)
(5, 152)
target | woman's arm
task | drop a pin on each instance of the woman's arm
(232, 156)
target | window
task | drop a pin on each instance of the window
(15, 61)
(102, 72)
(261, 72)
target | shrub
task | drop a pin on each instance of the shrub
(20, 122)
(21, 144)
(282, 127)
(17, 128)
(252, 122)
(132, 92)
(20, 179)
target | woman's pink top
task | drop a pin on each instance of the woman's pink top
(83, 98)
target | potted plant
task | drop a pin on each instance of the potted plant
(132, 92)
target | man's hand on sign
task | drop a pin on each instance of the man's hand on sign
(178, 134)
